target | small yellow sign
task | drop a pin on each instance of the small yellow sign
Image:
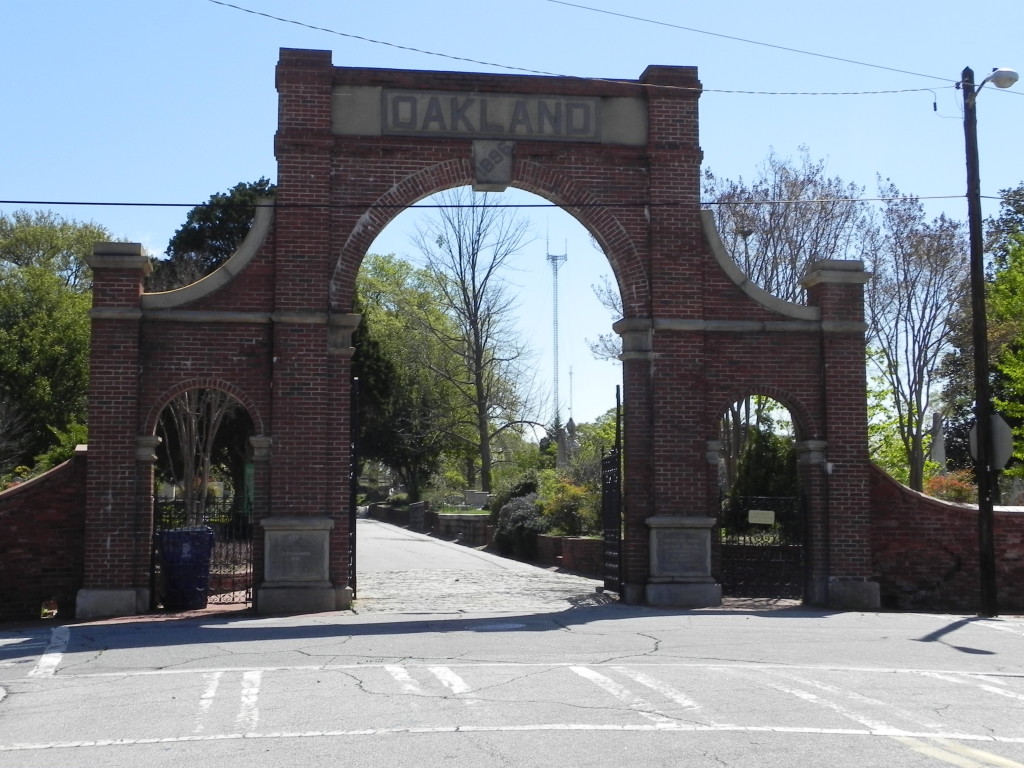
(761, 517)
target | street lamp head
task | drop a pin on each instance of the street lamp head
(1001, 78)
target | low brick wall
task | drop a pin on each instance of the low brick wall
(42, 530)
(471, 530)
(925, 551)
(583, 556)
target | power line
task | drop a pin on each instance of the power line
(427, 206)
(526, 70)
(746, 40)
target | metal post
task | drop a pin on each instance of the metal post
(982, 395)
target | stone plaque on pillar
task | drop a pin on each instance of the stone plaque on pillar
(681, 563)
(296, 566)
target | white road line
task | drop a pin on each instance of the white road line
(860, 697)
(402, 676)
(674, 726)
(51, 657)
(663, 688)
(631, 700)
(454, 683)
(969, 681)
(875, 725)
(206, 699)
(248, 711)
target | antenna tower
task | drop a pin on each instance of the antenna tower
(556, 260)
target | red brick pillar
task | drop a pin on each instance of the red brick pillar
(118, 516)
(638, 450)
(837, 288)
(302, 530)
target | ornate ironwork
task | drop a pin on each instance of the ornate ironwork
(611, 505)
(231, 577)
(762, 547)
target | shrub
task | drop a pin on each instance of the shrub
(954, 486)
(517, 486)
(570, 509)
(518, 524)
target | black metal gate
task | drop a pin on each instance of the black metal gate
(762, 547)
(353, 484)
(230, 576)
(611, 507)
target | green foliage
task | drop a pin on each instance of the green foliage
(767, 466)
(519, 522)
(409, 418)
(44, 354)
(52, 243)
(67, 440)
(210, 234)
(569, 509)
(1006, 310)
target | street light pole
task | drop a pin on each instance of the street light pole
(1001, 78)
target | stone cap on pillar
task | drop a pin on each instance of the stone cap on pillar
(119, 256)
(837, 287)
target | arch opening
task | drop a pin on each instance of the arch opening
(203, 501)
(544, 449)
(762, 515)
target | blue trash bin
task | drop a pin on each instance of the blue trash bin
(185, 555)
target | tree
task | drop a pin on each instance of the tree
(920, 274)
(190, 426)
(1006, 307)
(44, 357)
(409, 418)
(467, 248)
(608, 346)
(1004, 329)
(790, 216)
(210, 234)
(52, 243)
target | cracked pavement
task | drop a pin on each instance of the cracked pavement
(451, 656)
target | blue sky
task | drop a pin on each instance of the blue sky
(169, 102)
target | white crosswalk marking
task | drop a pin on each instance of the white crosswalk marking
(453, 682)
(402, 676)
(54, 652)
(248, 712)
(663, 688)
(206, 699)
(637, 704)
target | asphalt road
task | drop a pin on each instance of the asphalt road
(569, 680)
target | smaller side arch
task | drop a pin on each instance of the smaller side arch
(805, 425)
(153, 416)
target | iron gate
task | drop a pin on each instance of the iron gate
(231, 577)
(762, 547)
(611, 512)
(611, 505)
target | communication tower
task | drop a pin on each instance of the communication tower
(556, 260)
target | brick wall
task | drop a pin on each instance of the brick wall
(267, 335)
(925, 551)
(42, 525)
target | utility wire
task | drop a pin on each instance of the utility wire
(525, 70)
(744, 40)
(429, 206)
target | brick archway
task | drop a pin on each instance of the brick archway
(356, 146)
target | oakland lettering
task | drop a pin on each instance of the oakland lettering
(492, 115)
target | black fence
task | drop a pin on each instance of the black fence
(228, 577)
(762, 547)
